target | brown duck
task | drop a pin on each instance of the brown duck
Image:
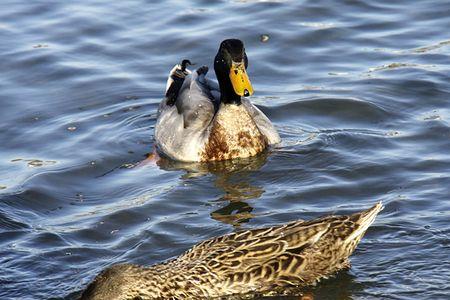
(263, 260)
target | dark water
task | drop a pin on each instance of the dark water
(359, 90)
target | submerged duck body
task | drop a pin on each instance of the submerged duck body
(261, 260)
(200, 120)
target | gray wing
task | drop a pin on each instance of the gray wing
(185, 115)
(198, 99)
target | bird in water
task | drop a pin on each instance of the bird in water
(264, 260)
(200, 120)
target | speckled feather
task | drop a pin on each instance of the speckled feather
(233, 133)
(261, 260)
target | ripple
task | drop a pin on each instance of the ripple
(433, 47)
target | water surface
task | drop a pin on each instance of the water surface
(359, 91)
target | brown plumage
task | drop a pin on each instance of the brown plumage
(233, 134)
(260, 260)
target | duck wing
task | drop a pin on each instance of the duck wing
(198, 99)
(185, 113)
(259, 259)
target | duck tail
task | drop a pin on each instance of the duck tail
(363, 220)
(175, 81)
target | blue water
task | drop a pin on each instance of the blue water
(359, 91)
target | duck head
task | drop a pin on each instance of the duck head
(230, 66)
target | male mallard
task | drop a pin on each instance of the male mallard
(258, 260)
(200, 121)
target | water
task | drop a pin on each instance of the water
(359, 91)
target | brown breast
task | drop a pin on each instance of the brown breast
(233, 134)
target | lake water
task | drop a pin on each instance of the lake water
(359, 91)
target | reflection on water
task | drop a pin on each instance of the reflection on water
(226, 167)
(233, 213)
(233, 177)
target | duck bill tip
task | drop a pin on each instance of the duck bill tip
(239, 80)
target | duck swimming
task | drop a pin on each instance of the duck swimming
(261, 260)
(200, 120)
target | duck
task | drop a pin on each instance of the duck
(262, 260)
(200, 120)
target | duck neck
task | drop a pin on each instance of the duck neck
(227, 94)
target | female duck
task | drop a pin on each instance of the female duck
(200, 121)
(264, 260)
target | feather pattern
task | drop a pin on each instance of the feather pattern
(260, 260)
(193, 125)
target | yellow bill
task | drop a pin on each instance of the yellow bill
(239, 80)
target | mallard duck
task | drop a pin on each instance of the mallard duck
(260, 260)
(200, 120)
